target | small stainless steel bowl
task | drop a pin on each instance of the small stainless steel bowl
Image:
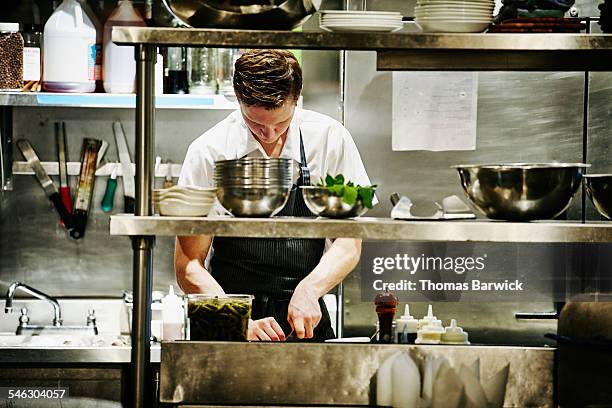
(253, 201)
(521, 192)
(599, 190)
(324, 203)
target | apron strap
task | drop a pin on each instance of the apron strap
(304, 171)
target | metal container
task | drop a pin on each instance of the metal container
(324, 203)
(521, 192)
(253, 187)
(599, 190)
(253, 201)
(218, 318)
(253, 14)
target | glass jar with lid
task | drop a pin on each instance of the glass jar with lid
(11, 57)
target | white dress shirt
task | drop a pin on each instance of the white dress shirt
(329, 148)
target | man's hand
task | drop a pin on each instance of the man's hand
(266, 329)
(304, 312)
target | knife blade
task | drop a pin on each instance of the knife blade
(46, 182)
(129, 190)
(64, 189)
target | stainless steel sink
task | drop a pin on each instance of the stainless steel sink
(62, 340)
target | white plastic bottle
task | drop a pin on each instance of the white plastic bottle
(69, 56)
(119, 63)
(173, 316)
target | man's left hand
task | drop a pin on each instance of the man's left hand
(304, 313)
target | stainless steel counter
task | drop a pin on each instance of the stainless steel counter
(329, 374)
(69, 355)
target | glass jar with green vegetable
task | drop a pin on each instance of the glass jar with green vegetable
(219, 318)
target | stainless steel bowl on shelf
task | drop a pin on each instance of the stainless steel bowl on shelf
(521, 191)
(599, 190)
(253, 201)
(322, 202)
(253, 187)
(249, 14)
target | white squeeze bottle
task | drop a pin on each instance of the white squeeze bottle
(119, 63)
(173, 316)
(69, 46)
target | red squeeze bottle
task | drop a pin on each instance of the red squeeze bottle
(386, 306)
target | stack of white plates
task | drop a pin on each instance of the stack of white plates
(342, 20)
(184, 201)
(454, 16)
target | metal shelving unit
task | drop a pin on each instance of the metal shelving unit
(383, 229)
(440, 52)
(102, 100)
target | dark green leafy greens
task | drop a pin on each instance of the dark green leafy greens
(349, 192)
(218, 319)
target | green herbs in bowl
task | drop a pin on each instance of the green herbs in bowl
(333, 198)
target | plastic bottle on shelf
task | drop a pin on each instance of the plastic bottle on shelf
(429, 318)
(454, 334)
(99, 26)
(407, 327)
(69, 50)
(173, 316)
(119, 63)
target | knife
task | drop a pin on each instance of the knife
(46, 182)
(129, 191)
(64, 189)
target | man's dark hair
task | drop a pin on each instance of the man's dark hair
(267, 78)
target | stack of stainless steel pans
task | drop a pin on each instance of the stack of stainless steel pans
(253, 187)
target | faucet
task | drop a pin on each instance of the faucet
(10, 293)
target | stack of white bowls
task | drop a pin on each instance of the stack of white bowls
(344, 20)
(184, 201)
(454, 16)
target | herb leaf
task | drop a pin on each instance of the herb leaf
(349, 192)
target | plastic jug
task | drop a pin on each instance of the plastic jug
(69, 50)
(119, 63)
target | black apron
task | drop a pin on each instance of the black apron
(271, 268)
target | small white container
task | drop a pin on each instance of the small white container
(173, 316)
(69, 56)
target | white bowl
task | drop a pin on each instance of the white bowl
(451, 7)
(454, 17)
(195, 190)
(450, 26)
(180, 208)
(186, 195)
(457, 19)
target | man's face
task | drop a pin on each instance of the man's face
(268, 125)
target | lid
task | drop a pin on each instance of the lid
(171, 297)
(433, 326)
(407, 322)
(386, 302)
(9, 27)
(430, 319)
(454, 334)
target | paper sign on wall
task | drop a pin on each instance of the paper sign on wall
(434, 111)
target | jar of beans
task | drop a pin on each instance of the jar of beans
(11, 57)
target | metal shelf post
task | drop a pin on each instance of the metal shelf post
(143, 244)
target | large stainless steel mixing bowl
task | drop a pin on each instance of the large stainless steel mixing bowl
(521, 192)
(322, 202)
(247, 14)
(253, 201)
(599, 190)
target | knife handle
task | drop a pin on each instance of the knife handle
(65, 216)
(129, 204)
(109, 195)
(65, 194)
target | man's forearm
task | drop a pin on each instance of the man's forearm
(196, 279)
(335, 265)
